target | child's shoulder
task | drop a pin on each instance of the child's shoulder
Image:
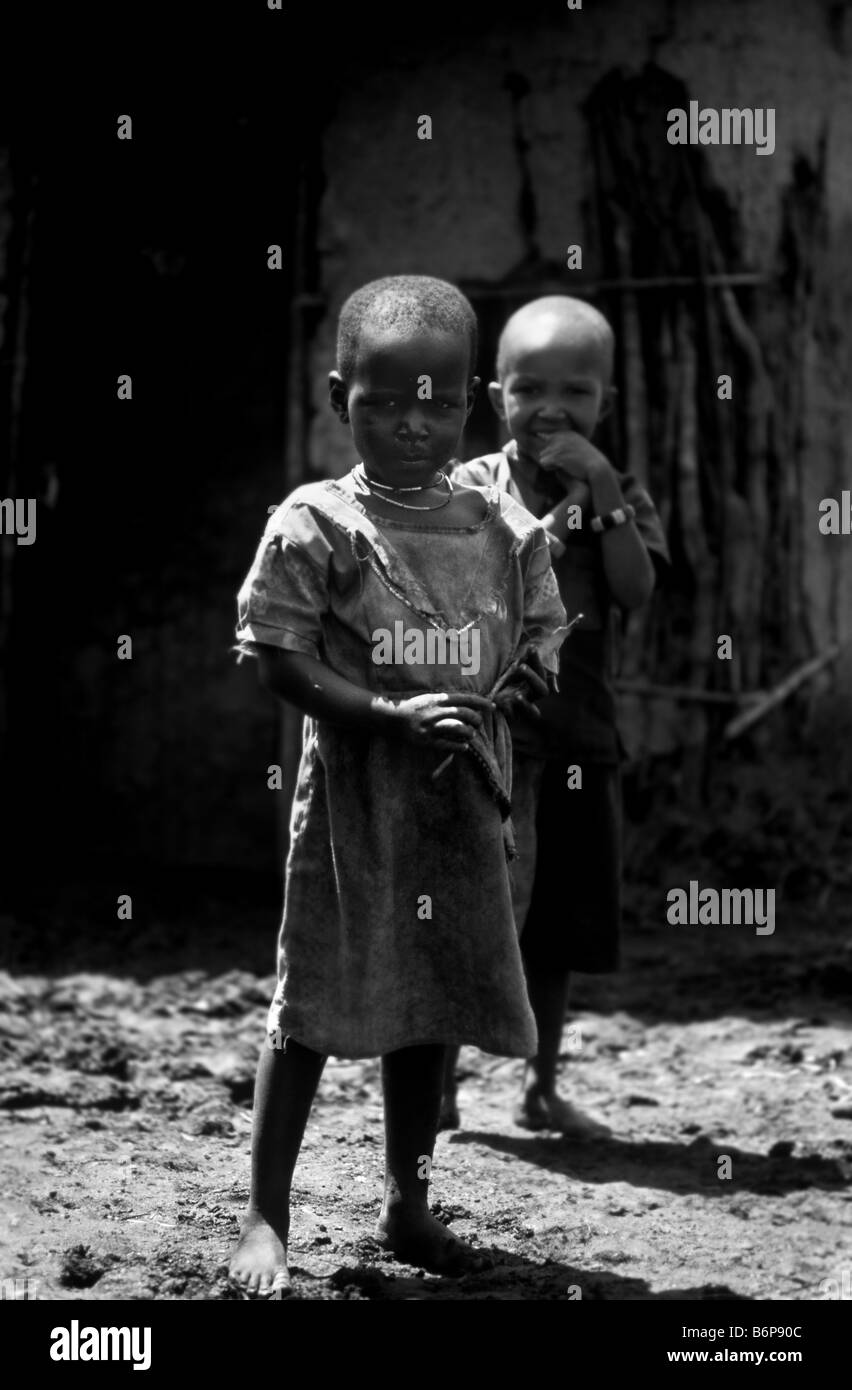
(516, 516)
(323, 511)
(310, 519)
(303, 503)
(486, 473)
(479, 472)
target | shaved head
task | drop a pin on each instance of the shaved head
(553, 322)
(409, 303)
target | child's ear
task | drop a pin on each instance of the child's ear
(338, 396)
(607, 402)
(472, 388)
(495, 396)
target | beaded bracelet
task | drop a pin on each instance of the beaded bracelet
(619, 517)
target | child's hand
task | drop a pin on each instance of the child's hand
(441, 720)
(572, 456)
(528, 682)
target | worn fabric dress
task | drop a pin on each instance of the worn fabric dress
(398, 927)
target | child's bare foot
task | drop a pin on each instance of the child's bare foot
(448, 1117)
(419, 1238)
(538, 1111)
(259, 1263)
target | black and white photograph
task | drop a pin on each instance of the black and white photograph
(426, 670)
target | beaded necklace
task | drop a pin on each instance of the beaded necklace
(368, 483)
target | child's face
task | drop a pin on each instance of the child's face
(406, 402)
(551, 385)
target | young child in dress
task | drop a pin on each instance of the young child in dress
(365, 602)
(554, 371)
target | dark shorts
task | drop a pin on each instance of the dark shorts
(567, 878)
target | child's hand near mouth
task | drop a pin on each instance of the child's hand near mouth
(573, 456)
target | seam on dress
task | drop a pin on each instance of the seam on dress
(384, 578)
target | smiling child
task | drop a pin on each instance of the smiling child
(554, 384)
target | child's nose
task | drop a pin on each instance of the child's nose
(414, 420)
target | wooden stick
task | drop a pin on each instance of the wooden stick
(781, 692)
(498, 686)
(635, 391)
(633, 645)
(647, 690)
(630, 282)
(693, 534)
(502, 681)
(759, 407)
(588, 287)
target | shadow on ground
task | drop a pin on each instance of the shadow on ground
(668, 1166)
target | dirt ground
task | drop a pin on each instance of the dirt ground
(127, 1074)
(124, 1152)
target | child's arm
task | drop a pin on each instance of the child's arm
(627, 564)
(280, 607)
(555, 523)
(434, 720)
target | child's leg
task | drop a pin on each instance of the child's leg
(541, 1107)
(283, 1094)
(572, 919)
(548, 992)
(412, 1079)
(448, 1117)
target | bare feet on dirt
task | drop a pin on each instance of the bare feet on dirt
(418, 1238)
(259, 1263)
(537, 1111)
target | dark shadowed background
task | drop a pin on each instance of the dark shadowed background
(149, 257)
(128, 1046)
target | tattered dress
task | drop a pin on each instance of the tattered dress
(397, 927)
